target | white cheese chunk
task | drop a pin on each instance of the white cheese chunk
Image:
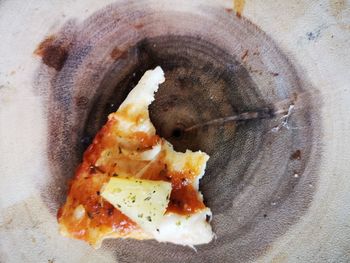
(143, 201)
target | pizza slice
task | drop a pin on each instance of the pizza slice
(132, 184)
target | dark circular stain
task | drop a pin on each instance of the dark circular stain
(54, 53)
(296, 155)
(82, 102)
(209, 74)
(177, 133)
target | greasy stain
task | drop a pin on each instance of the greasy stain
(53, 53)
(234, 83)
(296, 155)
(238, 6)
(117, 53)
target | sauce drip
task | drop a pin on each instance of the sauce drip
(238, 6)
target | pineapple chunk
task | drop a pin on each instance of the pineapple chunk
(143, 201)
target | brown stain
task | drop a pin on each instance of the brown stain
(46, 42)
(139, 26)
(245, 55)
(117, 53)
(53, 54)
(238, 6)
(295, 96)
(82, 102)
(275, 74)
(296, 155)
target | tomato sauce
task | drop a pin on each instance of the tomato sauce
(183, 198)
